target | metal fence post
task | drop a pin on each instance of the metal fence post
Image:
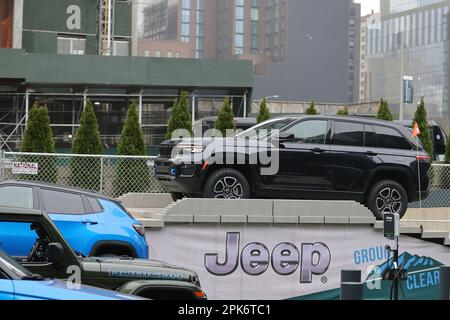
(2, 164)
(351, 286)
(101, 174)
(444, 283)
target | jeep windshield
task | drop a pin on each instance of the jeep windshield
(13, 268)
(264, 129)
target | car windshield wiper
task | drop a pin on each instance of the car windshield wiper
(33, 277)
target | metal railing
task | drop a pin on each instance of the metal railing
(111, 175)
(118, 175)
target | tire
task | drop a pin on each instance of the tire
(226, 184)
(387, 196)
(177, 196)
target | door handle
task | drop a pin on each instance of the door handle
(371, 154)
(89, 222)
(318, 150)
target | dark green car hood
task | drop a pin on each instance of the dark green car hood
(136, 269)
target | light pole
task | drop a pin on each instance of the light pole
(267, 98)
(402, 88)
(272, 97)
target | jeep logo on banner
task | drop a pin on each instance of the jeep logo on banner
(255, 258)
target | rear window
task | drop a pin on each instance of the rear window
(391, 139)
(348, 134)
(62, 202)
(95, 206)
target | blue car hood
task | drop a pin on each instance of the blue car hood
(59, 290)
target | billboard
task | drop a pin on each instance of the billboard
(257, 262)
(408, 90)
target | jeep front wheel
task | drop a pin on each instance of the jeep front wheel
(226, 184)
(387, 197)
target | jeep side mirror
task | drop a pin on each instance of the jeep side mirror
(286, 137)
(55, 253)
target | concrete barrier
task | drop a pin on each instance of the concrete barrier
(146, 200)
(267, 211)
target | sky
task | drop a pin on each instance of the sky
(368, 5)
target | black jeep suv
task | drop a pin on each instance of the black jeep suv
(373, 162)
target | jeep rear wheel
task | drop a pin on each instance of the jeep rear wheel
(387, 196)
(226, 184)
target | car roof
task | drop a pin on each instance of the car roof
(24, 211)
(410, 122)
(351, 118)
(236, 119)
(59, 187)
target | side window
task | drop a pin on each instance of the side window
(391, 139)
(310, 132)
(96, 207)
(62, 202)
(348, 134)
(21, 197)
(370, 138)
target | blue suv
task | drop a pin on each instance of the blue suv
(94, 225)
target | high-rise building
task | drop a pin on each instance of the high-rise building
(319, 51)
(301, 49)
(362, 58)
(410, 39)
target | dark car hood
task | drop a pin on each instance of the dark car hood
(144, 270)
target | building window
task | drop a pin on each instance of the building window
(158, 53)
(239, 27)
(185, 20)
(67, 45)
(121, 48)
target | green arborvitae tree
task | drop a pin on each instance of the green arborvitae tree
(38, 138)
(343, 112)
(311, 111)
(383, 112)
(85, 172)
(264, 113)
(180, 118)
(132, 175)
(421, 118)
(225, 120)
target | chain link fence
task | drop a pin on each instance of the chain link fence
(111, 175)
(116, 175)
(439, 188)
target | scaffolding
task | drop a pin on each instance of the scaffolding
(106, 27)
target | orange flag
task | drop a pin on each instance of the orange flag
(416, 130)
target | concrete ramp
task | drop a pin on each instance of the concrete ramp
(267, 211)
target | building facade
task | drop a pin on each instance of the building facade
(362, 59)
(319, 52)
(301, 49)
(67, 51)
(410, 39)
(6, 23)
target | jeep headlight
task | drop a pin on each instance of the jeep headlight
(190, 148)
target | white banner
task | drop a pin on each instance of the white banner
(25, 168)
(294, 262)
